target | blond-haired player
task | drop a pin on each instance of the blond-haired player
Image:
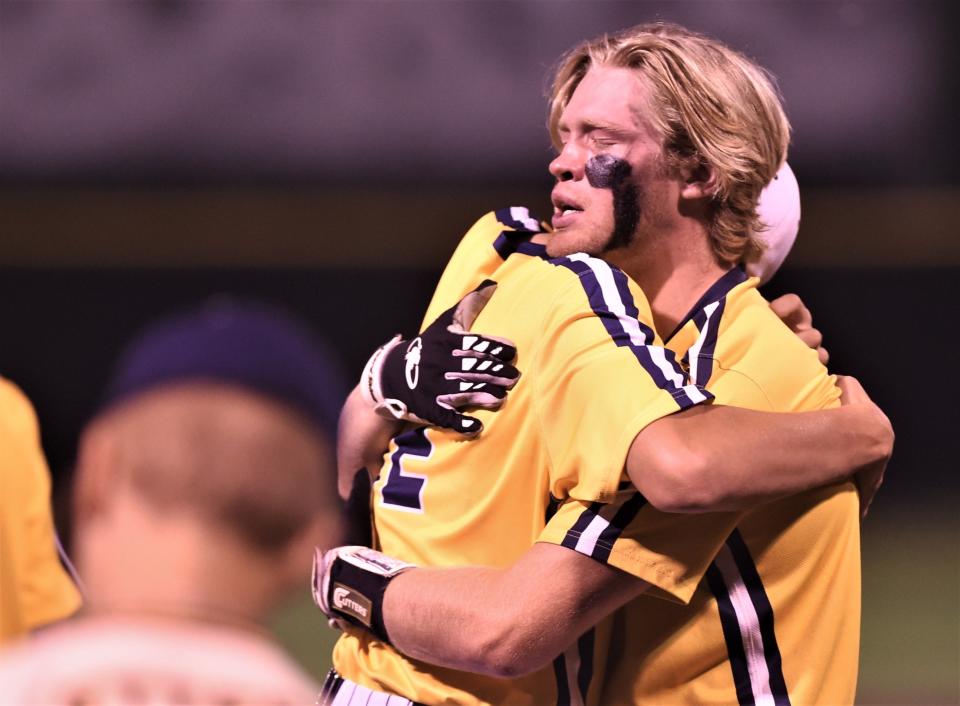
(666, 139)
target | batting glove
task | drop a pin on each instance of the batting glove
(349, 583)
(443, 370)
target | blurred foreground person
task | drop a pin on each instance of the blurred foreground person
(201, 486)
(34, 588)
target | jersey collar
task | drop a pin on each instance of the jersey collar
(718, 290)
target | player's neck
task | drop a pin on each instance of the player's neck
(150, 563)
(680, 268)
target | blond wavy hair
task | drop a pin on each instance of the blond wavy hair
(713, 106)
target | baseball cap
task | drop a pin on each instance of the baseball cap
(244, 343)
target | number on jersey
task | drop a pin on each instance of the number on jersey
(404, 490)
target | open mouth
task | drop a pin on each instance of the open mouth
(565, 214)
(563, 207)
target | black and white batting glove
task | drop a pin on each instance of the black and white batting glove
(349, 583)
(444, 370)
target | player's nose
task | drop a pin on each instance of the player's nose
(568, 165)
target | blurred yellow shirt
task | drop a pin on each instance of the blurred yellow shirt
(34, 588)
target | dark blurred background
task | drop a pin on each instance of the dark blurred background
(326, 156)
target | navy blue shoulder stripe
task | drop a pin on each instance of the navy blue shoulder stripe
(746, 618)
(609, 296)
(524, 226)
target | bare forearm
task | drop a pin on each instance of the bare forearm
(433, 615)
(727, 458)
(362, 437)
(500, 622)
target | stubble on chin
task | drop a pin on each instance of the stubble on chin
(562, 244)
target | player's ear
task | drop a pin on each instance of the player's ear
(94, 477)
(699, 180)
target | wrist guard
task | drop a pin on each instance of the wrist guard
(349, 583)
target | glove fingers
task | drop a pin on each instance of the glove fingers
(459, 386)
(464, 382)
(474, 344)
(445, 363)
(509, 350)
(449, 418)
(470, 426)
(470, 306)
(481, 344)
(473, 368)
(474, 399)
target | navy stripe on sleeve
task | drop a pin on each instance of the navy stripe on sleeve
(625, 515)
(594, 535)
(586, 517)
(609, 297)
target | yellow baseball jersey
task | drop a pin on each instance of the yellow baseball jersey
(34, 588)
(593, 375)
(776, 620)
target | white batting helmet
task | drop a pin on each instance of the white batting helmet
(779, 210)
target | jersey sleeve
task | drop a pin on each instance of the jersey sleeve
(36, 590)
(669, 551)
(489, 242)
(767, 367)
(600, 378)
(673, 551)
